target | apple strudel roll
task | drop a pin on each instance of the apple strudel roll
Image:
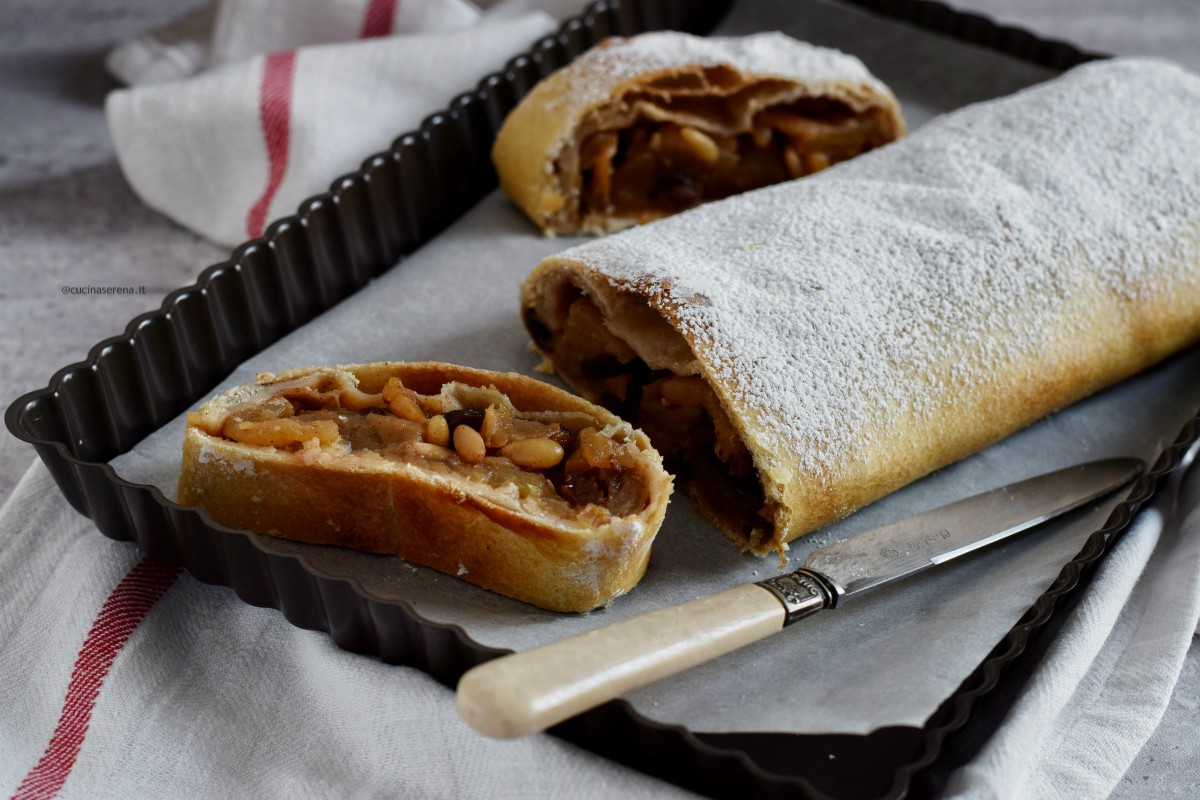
(640, 128)
(802, 350)
(502, 480)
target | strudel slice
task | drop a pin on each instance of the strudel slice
(502, 480)
(640, 128)
(799, 351)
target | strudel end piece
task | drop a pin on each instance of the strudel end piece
(640, 128)
(802, 350)
(502, 480)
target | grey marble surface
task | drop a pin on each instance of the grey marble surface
(67, 216)
(68, 219)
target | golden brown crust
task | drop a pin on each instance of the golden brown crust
(1111, 337)
(490, 538)
(964, 297)
(655, 77)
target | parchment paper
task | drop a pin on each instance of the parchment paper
(889, 658)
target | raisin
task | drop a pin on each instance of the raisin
(540, 333)
(471, 417)
(678, 187)
(580, 490)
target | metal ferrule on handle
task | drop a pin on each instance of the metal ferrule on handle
(802, 592)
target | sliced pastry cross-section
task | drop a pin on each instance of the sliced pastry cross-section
(497, 478)
(641, 128)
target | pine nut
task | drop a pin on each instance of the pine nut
(469, 444)
(795, 166)
(602, 149)
(815, 162)
(437, 431)
(392, 389)
(405, 407)
(794, 125)
(492, 428)
(432, 451)
(533, 453)
(401, 401)
(701, 145)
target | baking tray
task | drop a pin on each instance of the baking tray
(338, 241)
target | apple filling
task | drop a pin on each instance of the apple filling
(680, 413)
(650, 168)
(566, 460)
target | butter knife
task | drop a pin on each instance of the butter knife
(524, 693)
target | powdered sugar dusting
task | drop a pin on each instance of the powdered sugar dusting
(597, 71)
(907, 275)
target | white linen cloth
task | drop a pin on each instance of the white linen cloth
(212, 698)
(209, 697)
(1106, 680)
(229, 130)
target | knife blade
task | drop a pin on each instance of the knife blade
(524, 693)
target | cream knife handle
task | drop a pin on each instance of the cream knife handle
(524, 693)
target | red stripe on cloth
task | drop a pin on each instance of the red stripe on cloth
(378, 19)
(274, 112)
(125, 607)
